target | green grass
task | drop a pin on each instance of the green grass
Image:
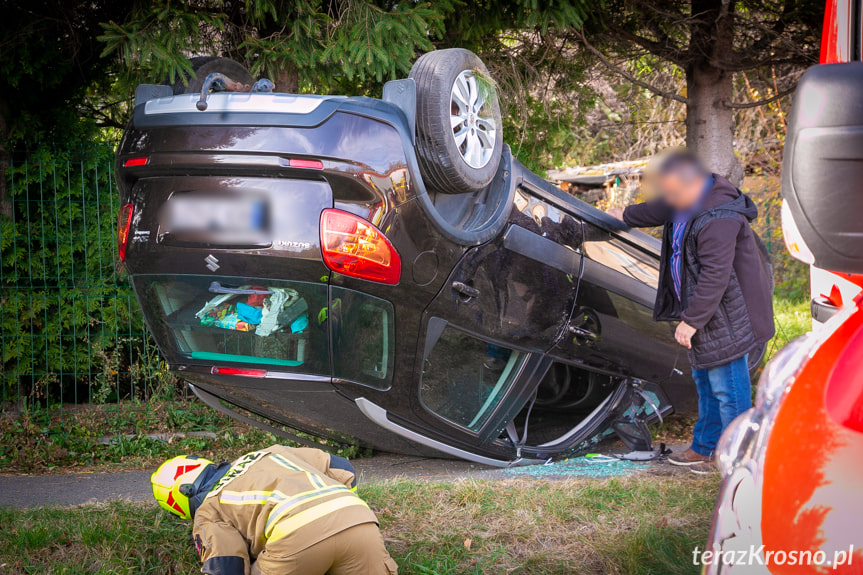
(792, 319)
(38, 442)
(632, 526)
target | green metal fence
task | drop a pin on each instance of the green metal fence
(70, 328)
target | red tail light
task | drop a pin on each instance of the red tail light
(124, 222)
(300, 163)
(132, 162)
(239, 371)
(354, 247)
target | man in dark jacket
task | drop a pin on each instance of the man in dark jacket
(713, 280)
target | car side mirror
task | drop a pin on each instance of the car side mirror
(822, 167)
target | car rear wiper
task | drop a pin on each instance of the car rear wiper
(216, 287)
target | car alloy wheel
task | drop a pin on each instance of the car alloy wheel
(473, 126)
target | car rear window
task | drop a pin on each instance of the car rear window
(277, 325)
(211, 319)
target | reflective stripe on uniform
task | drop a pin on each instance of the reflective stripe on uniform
(316, 480)
(283, 509)
(313, 478)
(287, 526)
(250, 497)
(285, 462)
(238, 468)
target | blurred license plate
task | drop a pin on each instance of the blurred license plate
(216, 219)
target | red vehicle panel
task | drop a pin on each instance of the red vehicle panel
(813, 465)
(791, 501)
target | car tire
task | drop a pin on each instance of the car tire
(206, 65)
(456, 158)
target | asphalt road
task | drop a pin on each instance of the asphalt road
(74, 488)
(88, 487)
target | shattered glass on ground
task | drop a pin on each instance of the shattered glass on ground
(575, 467)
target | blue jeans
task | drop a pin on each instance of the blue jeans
(724, 392)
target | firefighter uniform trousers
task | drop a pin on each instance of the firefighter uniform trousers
(282, 511)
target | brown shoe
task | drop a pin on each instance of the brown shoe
(688, 458)
(704, 468)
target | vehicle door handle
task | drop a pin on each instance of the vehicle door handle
(465, 290)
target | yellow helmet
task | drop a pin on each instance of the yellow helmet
(173, 478)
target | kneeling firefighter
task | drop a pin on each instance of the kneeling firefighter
(277, 511)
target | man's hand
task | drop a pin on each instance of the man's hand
(615, 213)
(684, 334)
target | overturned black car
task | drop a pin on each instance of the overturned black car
(385, 271)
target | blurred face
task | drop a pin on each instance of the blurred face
(681, 190)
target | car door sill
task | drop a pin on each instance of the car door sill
(379, 415)
(584, 423)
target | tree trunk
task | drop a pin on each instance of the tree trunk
(709, 121)
(288, 81)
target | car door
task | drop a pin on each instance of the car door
(503, 307)
(612, 327)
